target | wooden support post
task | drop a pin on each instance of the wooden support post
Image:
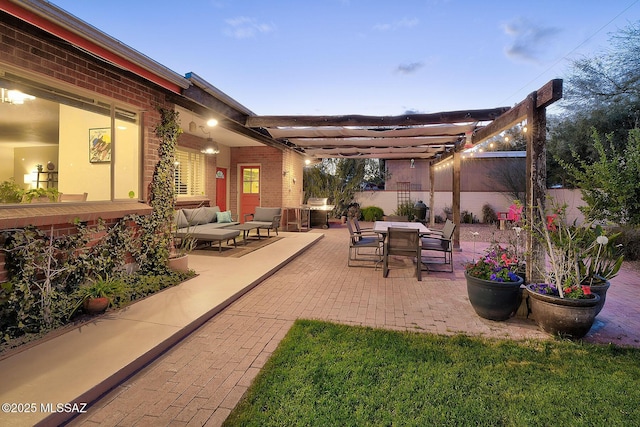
(536, 185)
(432, 193)
(456, 199)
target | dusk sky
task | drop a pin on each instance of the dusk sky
(367, 57)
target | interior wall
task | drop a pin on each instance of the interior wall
(25, 159)
(77, 173)
(127, 159)
(6, 164)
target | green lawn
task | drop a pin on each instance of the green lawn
(333, 375)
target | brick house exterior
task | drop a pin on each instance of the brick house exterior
(45, 50)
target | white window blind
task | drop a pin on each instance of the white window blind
(189, 173)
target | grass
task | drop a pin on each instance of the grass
(327, 375)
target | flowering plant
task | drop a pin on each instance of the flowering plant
(498, 264)
(576, 254)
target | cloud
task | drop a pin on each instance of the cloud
(409, 68)
(244, 27)
(530, 41)
(403, 23)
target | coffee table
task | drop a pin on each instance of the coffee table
(246, 228)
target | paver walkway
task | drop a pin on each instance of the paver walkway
(201, 379)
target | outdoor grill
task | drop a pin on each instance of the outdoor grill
(318, 211)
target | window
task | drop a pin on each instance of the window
(55, 139)
(189, 173)
(251, 181)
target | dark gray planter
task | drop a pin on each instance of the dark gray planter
(493, 300)
(568, 317)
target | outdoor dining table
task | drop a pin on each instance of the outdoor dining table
(382, 226)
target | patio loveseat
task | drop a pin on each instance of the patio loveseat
(206, 224)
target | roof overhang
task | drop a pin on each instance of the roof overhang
(58, 22)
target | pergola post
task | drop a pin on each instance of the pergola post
(432, 194)
(456, 199)
(536, 185)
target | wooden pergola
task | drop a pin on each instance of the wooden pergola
(433, 137)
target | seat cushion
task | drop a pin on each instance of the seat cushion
(201, 215)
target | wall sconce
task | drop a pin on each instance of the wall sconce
(212, 122)
(284, 173)
(294, 180)
(413, 164)
(192, 126)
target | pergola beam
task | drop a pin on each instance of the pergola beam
(358, 120)
(546, 95)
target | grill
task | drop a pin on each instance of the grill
(318, 211)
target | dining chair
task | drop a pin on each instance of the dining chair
(359, 241)
(402, 242)
(441, 243)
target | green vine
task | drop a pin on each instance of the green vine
(156, 233)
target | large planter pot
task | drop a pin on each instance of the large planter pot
(180, 263)
(600, 289)
(493, 300)
(95, 305)
(568, 317)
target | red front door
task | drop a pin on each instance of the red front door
(221, 188)
(249, 190)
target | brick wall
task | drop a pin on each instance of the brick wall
(271, 165)
(35, 55)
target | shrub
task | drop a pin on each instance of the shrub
(406, 209)
(489, 216)
(438, 219)
(372, 213)
(467, 217)
(630, 240)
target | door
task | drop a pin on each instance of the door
(249, 190)
(221, 188)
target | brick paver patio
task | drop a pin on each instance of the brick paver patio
(201, 379)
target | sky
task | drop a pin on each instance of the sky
(369, 57)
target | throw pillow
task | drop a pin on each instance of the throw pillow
(223, 216)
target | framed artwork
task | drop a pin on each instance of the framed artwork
(100, 145)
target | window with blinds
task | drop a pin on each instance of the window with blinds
(189, 173)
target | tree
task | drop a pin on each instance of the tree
(602, 93)
(338, 180)
(609, 185)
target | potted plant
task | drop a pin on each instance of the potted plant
(601, 263)
(493, 286)
(96, 296)
(182, 246)
(564, 304)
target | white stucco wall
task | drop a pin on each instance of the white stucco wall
(469, 201)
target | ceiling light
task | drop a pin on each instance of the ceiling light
(14, 96)
(211, 147)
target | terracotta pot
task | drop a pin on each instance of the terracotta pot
(180, 263)
(493, 300)
(95, 305)
(568, 317)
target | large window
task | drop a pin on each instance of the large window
(189, 173)
(54, 139)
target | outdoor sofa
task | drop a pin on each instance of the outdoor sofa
(207, 224)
